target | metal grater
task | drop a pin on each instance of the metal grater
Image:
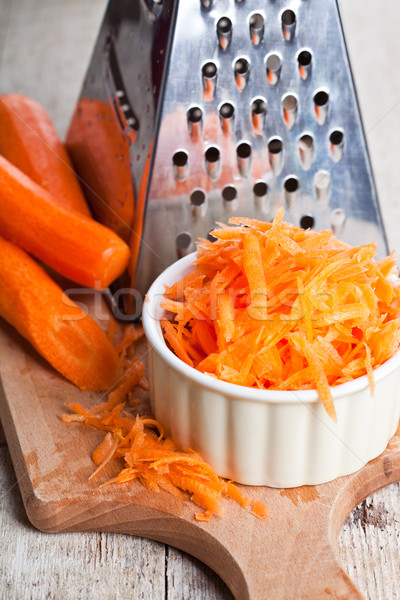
(193, 111)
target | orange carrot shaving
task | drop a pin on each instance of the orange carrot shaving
(156, 462)
(127, 383)
(272, 306)
(104, 452)
(112, 330)
(149, 456)
(131, 335)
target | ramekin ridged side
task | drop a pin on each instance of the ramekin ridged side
(266, 437)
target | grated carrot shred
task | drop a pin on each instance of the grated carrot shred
(154, 459)
(151, 457)
(274, 306)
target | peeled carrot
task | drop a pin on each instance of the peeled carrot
(101, 153)
(56, 327)
(72, 244)
(272, 306)
(29, 141)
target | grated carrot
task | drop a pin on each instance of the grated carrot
(273, 306)
(149, 456)
(154, 460)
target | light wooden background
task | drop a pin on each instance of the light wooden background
(44, 50)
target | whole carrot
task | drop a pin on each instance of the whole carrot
(56, 327)
(29, 141)
(100, 152)
(74, 245)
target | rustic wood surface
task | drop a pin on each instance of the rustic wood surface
(294, 554)
(44, 50)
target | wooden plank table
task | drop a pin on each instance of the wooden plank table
(44, 50)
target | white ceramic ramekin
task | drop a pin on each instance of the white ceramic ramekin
(257, 437)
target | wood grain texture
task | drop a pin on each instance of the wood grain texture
(47, 44)
(292, 555)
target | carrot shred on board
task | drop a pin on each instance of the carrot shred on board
(149, 456)
(156, 462)
(131, 335)
(273, 306)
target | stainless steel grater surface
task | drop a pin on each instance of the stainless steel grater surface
(221, 107)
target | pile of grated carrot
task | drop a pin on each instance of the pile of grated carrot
(148, 456)
(273, 306)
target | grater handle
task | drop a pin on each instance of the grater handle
(117, 94)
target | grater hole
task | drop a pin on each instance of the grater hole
(212, 154)
(336, 140)
(224, 25)
(336, 137)
(307, 140)
(256, 24)
(256, 21)
(307, 222)
(224, 32)
(291, 184)
(197, 198)
(184, 244)
(241, 66)
(273, 62)
(291, 187)
(227, 110)
(260, 189)
(289, 102)
(275, 151)
(209, 76)
(258, 114)
(321, 106)
(321, 98)
(322, 180)
(180, 164)
(322, 184)
(306, 150)
(211, 238)
(226, 115)
(206, 3)
(229, 193)
(275, 146)
(194, 114)
(304, 58)
(259, 106)
(260, 196)
(338, 218)
(180, 158)
(209, 70)
(289, 106)
(194, 121)
(241, 69)
(288, 17)
(213, 162)
(183, 240)
(243, 150)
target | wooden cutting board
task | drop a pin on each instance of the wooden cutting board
(293, 555)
